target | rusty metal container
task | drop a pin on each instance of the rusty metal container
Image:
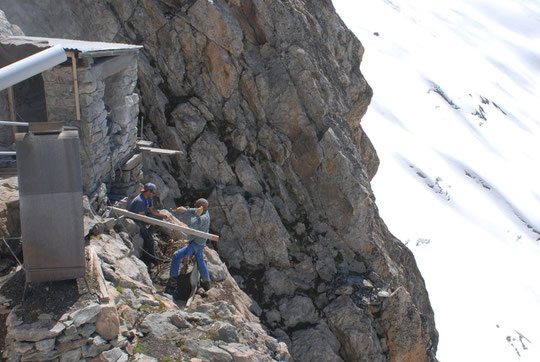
(50, 188)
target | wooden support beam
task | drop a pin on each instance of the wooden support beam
(133, 162)
(165, 224)
(160, 150)
(144, 143)
(11, 101)
(102, 285)
(76, 86)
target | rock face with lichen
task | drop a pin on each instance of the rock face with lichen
(264, 98)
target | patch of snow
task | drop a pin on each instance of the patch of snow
(455, 122)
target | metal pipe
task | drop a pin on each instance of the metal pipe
(30, 66)
(11, 123)
(8, 153)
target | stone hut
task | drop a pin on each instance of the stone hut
(93, 90)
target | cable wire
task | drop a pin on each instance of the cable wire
(12, 253)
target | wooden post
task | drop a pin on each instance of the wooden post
(11, 101)
(102, 285)
(75, 86)
(150, 220)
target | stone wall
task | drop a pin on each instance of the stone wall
(73, 336)
(108, 124)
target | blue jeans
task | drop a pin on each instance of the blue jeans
(190, 249)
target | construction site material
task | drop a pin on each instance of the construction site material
(11, 102)
(152, 221)
(133, 162)
(13, 123)
(83, 48)
(160, 150)
(95, 264)
(50, 189)
(46, 127)
(144, 143)
(75, 86)
(30, 66)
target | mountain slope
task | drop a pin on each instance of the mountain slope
(264, 99)
(454, 119)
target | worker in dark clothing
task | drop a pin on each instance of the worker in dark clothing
(144, 205)
(200, 220)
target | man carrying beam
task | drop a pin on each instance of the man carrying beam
(200, 220)
(143, 205)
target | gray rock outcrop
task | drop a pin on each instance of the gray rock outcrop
(136, 322)
(265, 99)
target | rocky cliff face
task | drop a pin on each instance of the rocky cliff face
(265, 98)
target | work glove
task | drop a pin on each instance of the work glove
(181, 209)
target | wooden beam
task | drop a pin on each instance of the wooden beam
(165, 224)
(102, 285)
(160, 150)
(133, 162)
(76, 87)
(11, 101)
(144, 143)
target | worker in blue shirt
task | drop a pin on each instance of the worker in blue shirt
(200, 220)
(144, 205)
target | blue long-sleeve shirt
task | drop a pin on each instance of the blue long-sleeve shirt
(201, 223)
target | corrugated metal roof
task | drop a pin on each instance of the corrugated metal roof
(81, 46)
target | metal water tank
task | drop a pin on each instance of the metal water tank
(50, 189)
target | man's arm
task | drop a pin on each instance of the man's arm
(157, 213)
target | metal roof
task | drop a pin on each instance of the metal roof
(82, 47)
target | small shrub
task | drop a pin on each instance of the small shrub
(140, 348)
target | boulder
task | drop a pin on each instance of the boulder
(85, 315)
(36, 331)
(403, 325)
(354, 330)
(108, 323)
(296, 310)
(316, 344)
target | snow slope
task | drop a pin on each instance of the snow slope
(455, 120)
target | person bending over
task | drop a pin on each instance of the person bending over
(144, 205)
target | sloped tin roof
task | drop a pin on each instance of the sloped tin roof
(82, 47)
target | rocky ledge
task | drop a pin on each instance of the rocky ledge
(70, 321)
